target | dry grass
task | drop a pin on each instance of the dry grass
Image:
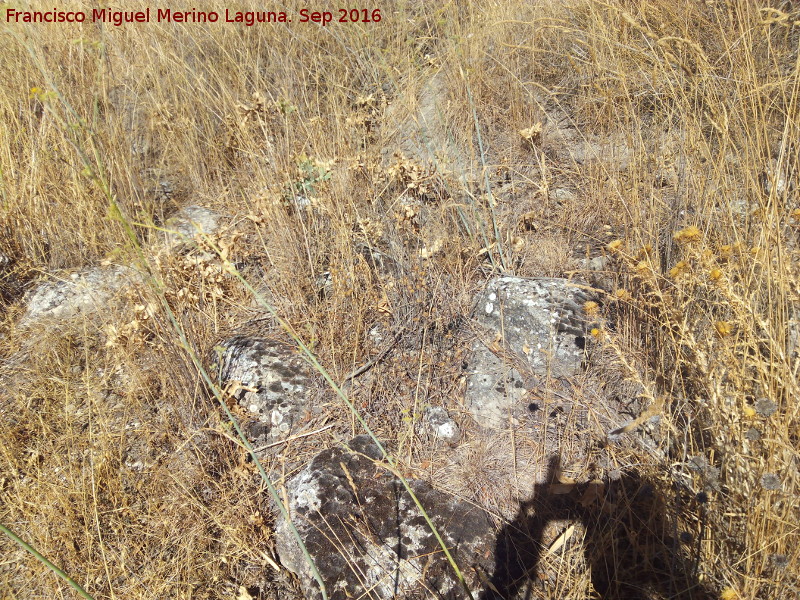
(115, 464)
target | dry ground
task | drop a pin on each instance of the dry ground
(661, 134)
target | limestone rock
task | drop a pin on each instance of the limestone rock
(367, 537)
(441, 426)
(562, 195)
(190, 221)
(598, 271)
(82, 293)
(424, 132)
(270, 380)
(530, 327)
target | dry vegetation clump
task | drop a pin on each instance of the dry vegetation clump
(372, 177)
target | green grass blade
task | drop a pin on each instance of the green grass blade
(73, 584)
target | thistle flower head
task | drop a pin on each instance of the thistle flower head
(688, 235)
(723, 328)
(591, 308)
(728, 594)
(621, 294)
(679, 269)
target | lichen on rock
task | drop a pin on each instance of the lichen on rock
(270, 380)
(367, 537)
(527, 327)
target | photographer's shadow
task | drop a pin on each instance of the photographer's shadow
(629, 543)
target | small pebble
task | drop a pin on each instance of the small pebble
(770, 481)
(765, 407)
(697, 463)
(753, 434)
(779, 561)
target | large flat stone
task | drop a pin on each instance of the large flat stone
(81, 293)
(367, 537)
(527, 328)
(189, 222)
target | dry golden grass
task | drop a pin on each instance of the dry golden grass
(693, 110)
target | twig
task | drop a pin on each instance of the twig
(371, 363)
(294, 437)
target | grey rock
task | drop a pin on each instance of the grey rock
(779, 561)
(765, 407)
(439, 423)
(270, 380)
(752, 434)
(81, 293)
(535, 327)
(562, 194)
(598, 271)
(770, 481)
(423, 133)
(189, 222)
(367, 537)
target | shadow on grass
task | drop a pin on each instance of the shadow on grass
(629, 542)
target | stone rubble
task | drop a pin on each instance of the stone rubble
(527, 328)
